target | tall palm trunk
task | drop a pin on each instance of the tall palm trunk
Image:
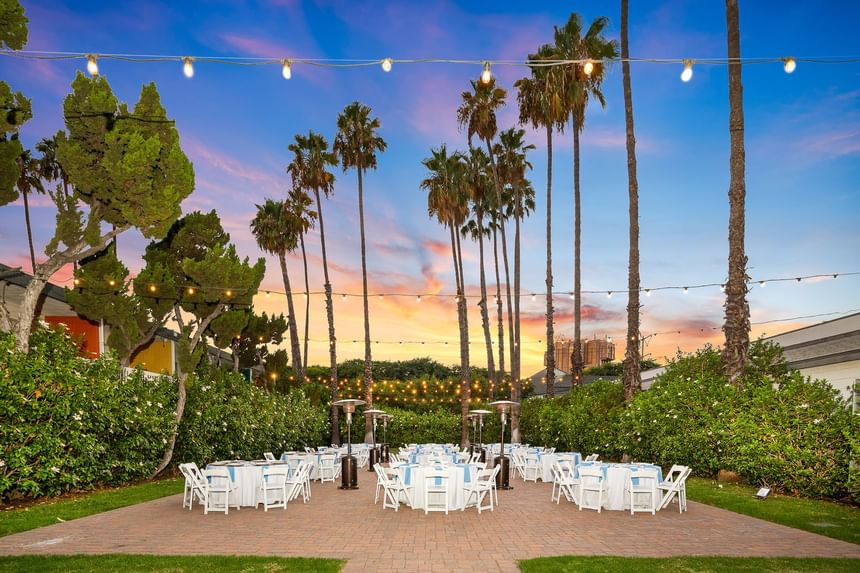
(516, 349)
(29, 230)
(463, 319)
(737, 323)
(632, 358)
(307, 307)
(485, 317)
(550, 330)
(291, 319)
(332, 345)
(577, 360)
(515, 415)
(368, 366)
(500, 372)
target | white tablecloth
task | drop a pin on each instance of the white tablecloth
(247, 478)
(547, 460)
(413, 475)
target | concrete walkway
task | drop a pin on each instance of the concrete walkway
(347, 525)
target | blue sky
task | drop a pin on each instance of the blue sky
(802, 144)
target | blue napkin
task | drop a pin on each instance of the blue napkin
(467, 471)
(438, 479)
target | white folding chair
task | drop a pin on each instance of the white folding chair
(436, 484)
(531, 468)
(564, 482)
(392, 487)
(195, 485)
(592, 458)
(676, 487)
(591, 481)
(269, 456)
(272, 489)
(642, 485)
(299, 483)
(326, 468)
(483, 483)
(220, 485)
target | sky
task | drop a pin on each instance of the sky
(802, 156)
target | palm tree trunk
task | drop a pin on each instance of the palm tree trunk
(291, 319)
(463, 319)
(332, 346)
(515, 351)
(29, 230)
(307, 308)
(550, 330)
(577, 360)
(632, 376)
(515, 383)
(737, 322)
(485, 318)
(368, 367)
(500, 372)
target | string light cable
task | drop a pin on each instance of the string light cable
(286, 65)
(191, 289)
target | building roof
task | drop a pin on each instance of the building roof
(562, 382)
(830, 342)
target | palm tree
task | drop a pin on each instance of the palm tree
(511, 151)
(541, 105)
(477, 113)
(580, 87)
(29, 180)
(446, 201)
(299, 204)
(276, 232)
(356, 144)
(478, 188)
(632, 360)
(309, 172)
(737, 323)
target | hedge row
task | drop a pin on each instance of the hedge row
(781, 430)
(69, 423)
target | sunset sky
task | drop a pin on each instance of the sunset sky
(802, 150)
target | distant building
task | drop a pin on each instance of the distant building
(594, 352)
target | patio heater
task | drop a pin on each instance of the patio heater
(474, 433)
(348, 465)
(374, 457)
(479, 415)
(384, 450)
(503, 477)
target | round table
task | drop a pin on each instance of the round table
(616, 475)
(246, 477)
(458, 481)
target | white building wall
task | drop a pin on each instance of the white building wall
(841, 376)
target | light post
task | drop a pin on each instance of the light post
(348, 465)
(384, 457)
(371, 461)
(479, 415)
(503, 477)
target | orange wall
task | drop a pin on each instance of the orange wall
(86, 332)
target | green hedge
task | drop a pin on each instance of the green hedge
(69, 423)
(780, 430)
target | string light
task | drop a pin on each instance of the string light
(588, 68)
(609, 294)
(762, 284)
(286, 71)
(228, 293)
(789, 64)
(686, 290)
(534, 297)
(92, 65)
(112, 282)
(418, 298)
(386, 64)
(687, 74)
(486, 75)
(647, 292)
(191, 291)
(343, 296)
(187, 67)
(77, 281)
(152, 288)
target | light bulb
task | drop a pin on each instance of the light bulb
(722, 288)
(77, 282)
(762, 284)
(687, 74)
(609, 294)
(112, 282)
(789, 64)
(647, 292)
(92, 65)
(190, 291)
(686, 290)
(228, 293)
(152, 288)
(572, 296)
(588, 68)
(268, 294)
(285, 70)
(386, 64)
(486, 75)
(534, 297)
(187, 67)
(343, 297)
(418, 298)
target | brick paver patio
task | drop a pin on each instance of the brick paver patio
(347, 525)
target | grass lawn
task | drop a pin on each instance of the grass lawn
(66, 508)
(686, 564)
(835, 520)
(165, 564)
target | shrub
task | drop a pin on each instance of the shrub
(69, 423)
